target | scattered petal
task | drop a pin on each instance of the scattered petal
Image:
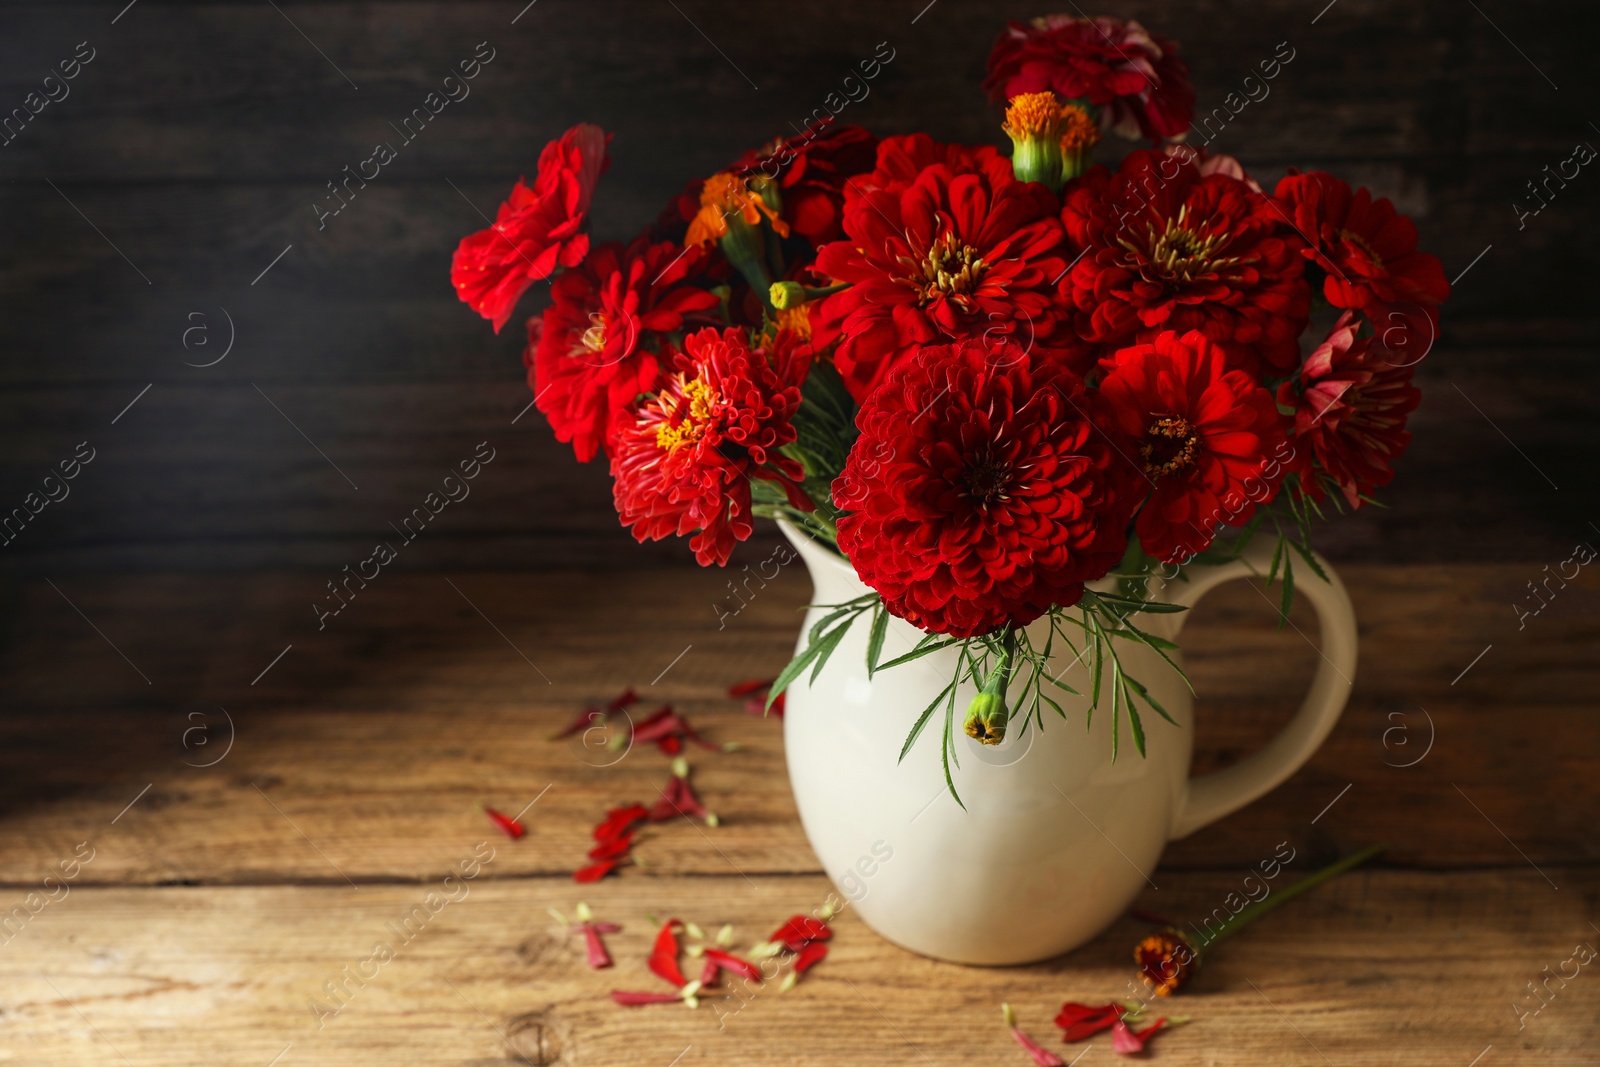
(619, 821)
(627, 697)
(810, 954)
(615, 848)
(509, 826)
(1127, 1041)
(749, 686)
(800, 929)
(630, 999)
(664, 958)
(588, 717)
(733, 964)
(596, 952)
(1042, 1057)
(595, 871)
(1081, 1021)
(709, 974)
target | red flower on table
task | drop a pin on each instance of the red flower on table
(1165, 248)
(979, 493)
(1368, 249)
(683, 464)
(1198, 435)
(811, 169)
(1137, 79)
(536, 230)
(595, 348)
(1350, 414)
(944, 257)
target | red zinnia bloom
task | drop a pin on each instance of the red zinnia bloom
(536, 230)
(1350, 414)
(979, 492)
(594, 350)
(944, 257)
(902, 158)
(684, 464)
(1081, 1021)
(1198, 433)
(1136, 78)
(811, 170)
(1167, 249)
(1367, 247)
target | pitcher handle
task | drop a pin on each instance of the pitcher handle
(1209, 797)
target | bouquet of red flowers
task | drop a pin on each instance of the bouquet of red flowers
(984, 379)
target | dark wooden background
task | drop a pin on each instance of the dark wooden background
(197, 139)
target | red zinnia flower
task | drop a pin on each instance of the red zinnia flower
(1367, 247)
(536, 230)
(1136, 78)
(593, 351)
(902, 158)
(978, 491)
(1167, 249)
(1350, 414)
(811, 170)
(1199, 434)
(685, 462)
(944, 257)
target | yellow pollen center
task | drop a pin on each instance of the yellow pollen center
(688, 416)
(1180, 254)
(950, 268)
(1169, 446)
(1078, 131)
(1033, 115)
(1360, 242)
(594, 338)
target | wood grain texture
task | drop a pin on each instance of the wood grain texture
(364, 753)
(196, 140)
(1379, 969)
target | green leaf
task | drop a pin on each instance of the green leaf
(922, 720)
(790, 673)
(1152, 701)
(1311, 561)
(1155, 607)
(826, 646)
(880, 627)
(1288, 591)
(931, 643)
(949, 743)
(1135, 724)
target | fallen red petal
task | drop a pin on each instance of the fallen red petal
(595, 948)
(708, 975)
(622, 996)
(619, 821)
(1126, 1040)
(586, 718)
(729, 962)
(678, 798)
(800, 929)
(664, 957)
(1043, 1057)
(509, 826)
(811, 953)
(595, 871)
(748, 686)
(1081, 1021)
(615, 848)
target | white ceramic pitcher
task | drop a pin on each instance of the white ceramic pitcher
(1057, 839)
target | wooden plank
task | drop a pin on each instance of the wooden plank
(1381, 968)
(377, 737)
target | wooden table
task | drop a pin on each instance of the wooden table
(222, 900)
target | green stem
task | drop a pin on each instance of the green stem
(1254, 911)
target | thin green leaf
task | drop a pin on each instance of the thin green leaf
(922, 720)
(790, 673)
(880, 627)
(1288, 591)
(826, 646)
(931, 643)
(1152, 701)
(1135, 724)
(1311, 561)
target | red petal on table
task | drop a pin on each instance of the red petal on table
(729, 962)
(1126, 1040)
(678, 798)
(587, 717)
(664, 958)
(800, 929)
(622, 996)
(1043, 1057)
(669, 730)
(598, 956)
(619, 821)
(671, 744)
(750, 685)
(627, 697)
(595, 871)
(811, 953)
(615, 848)
(509, 826)
(1080, 1021)
(655, 724)
(606, 928)
(709, 974)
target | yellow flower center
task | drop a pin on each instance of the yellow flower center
(688, 415)
(1079, 132)
(950, 268)
(594, 338)
(1179, 254)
